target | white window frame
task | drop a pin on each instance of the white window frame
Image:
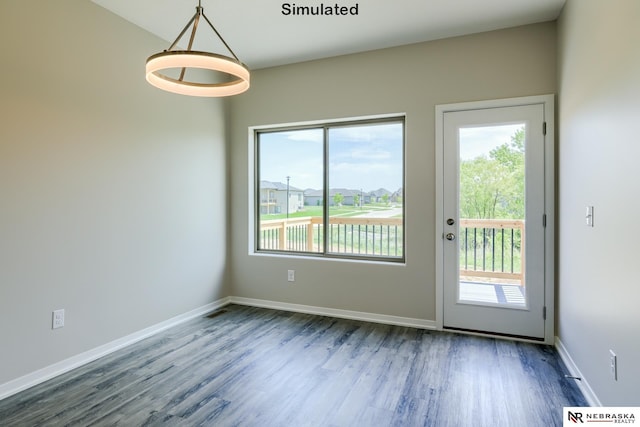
(253, 184)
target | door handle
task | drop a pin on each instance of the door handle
(450, 236)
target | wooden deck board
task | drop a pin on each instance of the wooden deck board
(492, 293)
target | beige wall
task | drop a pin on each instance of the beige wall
(413, 80)
(599, 152)
(112, 193)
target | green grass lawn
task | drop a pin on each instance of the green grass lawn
(344, 211)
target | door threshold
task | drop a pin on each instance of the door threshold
(494, 335)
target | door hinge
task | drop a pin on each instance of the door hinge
(544, 128)
(544, 220)
(544, 312)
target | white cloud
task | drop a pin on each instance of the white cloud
(307, 135)
(480, 140)
(368, 133)
(370, 155)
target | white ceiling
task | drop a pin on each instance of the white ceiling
(261, 36)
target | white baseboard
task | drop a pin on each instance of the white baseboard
(334, 312)
(37, 377)
(583, 384)
(19, 384)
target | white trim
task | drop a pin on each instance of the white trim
(496, 103)
(41, 375)
(320, 122)
(334, 312)
(251, 190)
(582, 384)
(550, 212)
(549, 118)
(439, 237)
(390, 262)
(251, 185)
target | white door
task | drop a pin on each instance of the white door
(494, 220)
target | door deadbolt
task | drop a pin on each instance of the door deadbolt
(450, 236)
(450, 221)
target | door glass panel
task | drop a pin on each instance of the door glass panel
(492, 214)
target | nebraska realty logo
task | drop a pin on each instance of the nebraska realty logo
(604, 416)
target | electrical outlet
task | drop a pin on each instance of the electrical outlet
(613, 365)
(291, 275)
(58, 319)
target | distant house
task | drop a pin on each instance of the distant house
(379, 195)
(313, 197)
(396, 197)
(273, 198)
(349, 197)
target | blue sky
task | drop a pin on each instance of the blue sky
(364, 157)
(479, 140)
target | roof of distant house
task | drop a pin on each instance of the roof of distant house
(333, 191)
(277, 186)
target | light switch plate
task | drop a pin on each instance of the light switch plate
(589, 216)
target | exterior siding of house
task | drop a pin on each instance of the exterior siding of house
(273, 198)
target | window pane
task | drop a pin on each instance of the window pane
(365, 169)
(492, 214)
(290, 173)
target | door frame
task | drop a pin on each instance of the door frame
(549, 200)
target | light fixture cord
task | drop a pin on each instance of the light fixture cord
(220, 37)
(193, 36)
(194, 20)
(184, 30)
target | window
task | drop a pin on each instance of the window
(335, 189)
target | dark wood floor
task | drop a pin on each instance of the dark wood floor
(256, 367)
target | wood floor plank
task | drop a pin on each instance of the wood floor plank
(248, 366)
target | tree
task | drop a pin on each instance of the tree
(511, 159)
(356, 200)
(493, 186)
(337, 199)
(385, 199)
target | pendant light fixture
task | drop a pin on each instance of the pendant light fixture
(160, 63)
